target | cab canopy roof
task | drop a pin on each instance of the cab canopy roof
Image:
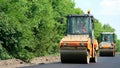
(79, 15)
(107, 32)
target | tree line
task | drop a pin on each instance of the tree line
(32, 28)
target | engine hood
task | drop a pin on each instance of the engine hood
(75, 38)
(105, 43)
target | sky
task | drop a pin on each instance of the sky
(106, 11)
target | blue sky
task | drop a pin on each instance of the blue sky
(106, 11)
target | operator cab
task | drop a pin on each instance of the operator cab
(80, 24)
(107, 37)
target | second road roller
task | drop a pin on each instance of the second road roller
(79, 45)
(107, 44)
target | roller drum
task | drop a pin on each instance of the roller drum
(107, 52)
(71, 54)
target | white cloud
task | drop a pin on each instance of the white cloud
(110, 7)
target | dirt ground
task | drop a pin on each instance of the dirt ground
(14, 63)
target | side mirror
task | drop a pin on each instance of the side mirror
(92, 22)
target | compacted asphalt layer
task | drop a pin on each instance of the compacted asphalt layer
(103, 62)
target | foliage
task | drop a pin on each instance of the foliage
(4, 54)
(118, 45)
(30, 28)
(97, 28)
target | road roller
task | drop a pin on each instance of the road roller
(79, 44)
(107, 44)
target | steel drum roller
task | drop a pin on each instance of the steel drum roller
(71, 54)
(106, 52)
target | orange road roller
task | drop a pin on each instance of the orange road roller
(79, 45)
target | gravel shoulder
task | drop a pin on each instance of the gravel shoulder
(14, 63)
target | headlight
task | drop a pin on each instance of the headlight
(100, 46)
(65, 44)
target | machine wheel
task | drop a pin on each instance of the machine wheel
(94, 59)
(87, 58)
(113, 53)
(100, 53)
(62, 61)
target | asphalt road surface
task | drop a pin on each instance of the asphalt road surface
(103, 62)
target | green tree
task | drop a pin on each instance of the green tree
(108, 28)
(98, 28)
(118, 45)
(15, 28)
